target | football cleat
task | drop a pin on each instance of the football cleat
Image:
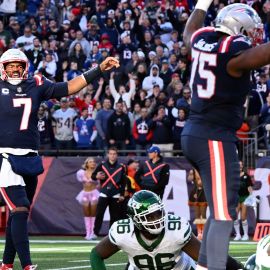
(30, 267)
(6, 266)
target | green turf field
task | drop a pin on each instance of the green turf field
(67, 253)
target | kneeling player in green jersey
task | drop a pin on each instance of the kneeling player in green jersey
(152, 239)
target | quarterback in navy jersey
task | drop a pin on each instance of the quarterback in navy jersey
(20, 98)
(222, 58)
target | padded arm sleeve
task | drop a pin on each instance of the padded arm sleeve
(97, 263)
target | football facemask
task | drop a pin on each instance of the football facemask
(147, 211)
(238, 19)
(15, 75)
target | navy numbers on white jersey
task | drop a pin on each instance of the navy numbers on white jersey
(123, 226)
(199, 59)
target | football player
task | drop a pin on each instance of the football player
(222, 58)
(20, 98)
(151, 238)
(260, 260)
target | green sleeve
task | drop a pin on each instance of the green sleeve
(97, 263)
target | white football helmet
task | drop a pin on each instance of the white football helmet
(242, 19)
(263, 253)
(10, 56)
(147, 211)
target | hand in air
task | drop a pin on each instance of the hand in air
(109, 63)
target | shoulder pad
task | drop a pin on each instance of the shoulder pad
(39, 79)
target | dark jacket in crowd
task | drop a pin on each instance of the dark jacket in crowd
(118, 127)
(154, 179)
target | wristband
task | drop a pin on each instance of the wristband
(203, 4)
(91, 74)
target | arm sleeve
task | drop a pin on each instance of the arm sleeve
(165, 175)
(113, 90)
(97, 263)
(54, 90)
(94, 174)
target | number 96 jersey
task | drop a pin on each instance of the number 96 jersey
(163, 253)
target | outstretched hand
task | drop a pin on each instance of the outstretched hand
(109, 63)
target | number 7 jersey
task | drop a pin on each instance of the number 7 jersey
(163, 253)
(18, 110)
(217, 106)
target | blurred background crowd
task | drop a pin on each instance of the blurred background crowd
(147, 100)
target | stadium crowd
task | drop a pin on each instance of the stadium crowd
(146, 101)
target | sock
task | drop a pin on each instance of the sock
(92, 223)
(87, 223)
(19, 233)
(9, 251)
(236, 226)
(245, 226)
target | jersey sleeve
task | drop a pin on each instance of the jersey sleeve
(114, 237)
(54, 90)
(238, 44)
(120, 232)
(185, 232)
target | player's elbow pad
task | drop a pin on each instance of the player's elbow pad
(97, 263)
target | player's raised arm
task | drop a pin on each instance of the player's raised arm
(195, 20)
(87, 77)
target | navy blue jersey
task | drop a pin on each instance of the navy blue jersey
(217, 98)
(18, 110)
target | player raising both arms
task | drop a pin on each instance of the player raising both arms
(222, 58)
(152, 239)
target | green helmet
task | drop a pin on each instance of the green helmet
(147, 211)
(251, 263)
(263, 253)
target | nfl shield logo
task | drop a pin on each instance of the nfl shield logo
(19, 89)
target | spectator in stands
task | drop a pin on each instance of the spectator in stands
(85, 131)
(122, 93)
(26, 40)
(185, 101)
(74, 71)
(102, 123)
(142, 132)
(244, 191)
(154, 173)
(88, 197)
(126, 48)
(162, 131)
(63, 125)
(45, 127)
(82, 40)
(77, 55)
(151, 80)
(47, 66)
(118, 131)
(88, 101)
(35, 55)
(5, 35)
(105, 44)
(179, 123)
(165, 73)
(112, 177)
(198, 201)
